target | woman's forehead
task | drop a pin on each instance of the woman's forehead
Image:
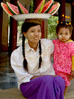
(35, 27)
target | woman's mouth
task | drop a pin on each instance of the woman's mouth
(36, 38)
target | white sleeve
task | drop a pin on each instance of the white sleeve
(50, 46)
(17, 65)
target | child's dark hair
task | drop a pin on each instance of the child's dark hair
(25, 27)
(64, 25)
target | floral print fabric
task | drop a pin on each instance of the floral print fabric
(63, 53)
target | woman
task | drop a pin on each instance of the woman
(32, 65)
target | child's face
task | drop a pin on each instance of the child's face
(64, 34)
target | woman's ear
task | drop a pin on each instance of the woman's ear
(24, 34)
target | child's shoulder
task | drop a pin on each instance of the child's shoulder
(71, 44)
(70, 40)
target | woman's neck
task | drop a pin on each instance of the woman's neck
(33, 45)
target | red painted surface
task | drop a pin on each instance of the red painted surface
(1, 15)
(43, 29)
(13, 31)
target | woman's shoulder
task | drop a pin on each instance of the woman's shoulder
(17, 51)
(46, 41)
(16, 56)
(47, 44)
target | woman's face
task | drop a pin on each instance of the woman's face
(33, 34)
(64, 34)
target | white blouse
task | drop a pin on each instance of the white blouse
(32, 58)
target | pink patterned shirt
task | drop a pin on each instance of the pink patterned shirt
(63, 53)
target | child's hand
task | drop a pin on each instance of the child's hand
(69, 77)
(72, 74)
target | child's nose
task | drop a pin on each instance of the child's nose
(63, 35)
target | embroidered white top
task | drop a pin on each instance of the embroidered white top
(33, 61)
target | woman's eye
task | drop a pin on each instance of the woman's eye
(32, 31)
(39, 30)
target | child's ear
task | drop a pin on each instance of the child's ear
(24, 34)
(57, 35)
(70, 35)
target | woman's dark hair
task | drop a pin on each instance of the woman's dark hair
(64, 25)
(25, 27)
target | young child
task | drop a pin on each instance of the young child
(64, 52)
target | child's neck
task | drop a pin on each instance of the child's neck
(70, 40)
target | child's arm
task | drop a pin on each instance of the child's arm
(73, 63)
(72, 70)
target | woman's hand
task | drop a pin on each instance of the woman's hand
(36, 76)
(40, 76)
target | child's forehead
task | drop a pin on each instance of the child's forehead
(64, 29)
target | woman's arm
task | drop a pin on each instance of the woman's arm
(40, 76)
(17, 65)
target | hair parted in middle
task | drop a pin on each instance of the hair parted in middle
(25, 26)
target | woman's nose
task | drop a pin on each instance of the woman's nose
(36, 33)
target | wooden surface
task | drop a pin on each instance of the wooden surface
(12, 93)
(70, 92)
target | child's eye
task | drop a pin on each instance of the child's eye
(66, 33)
(60, 33)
